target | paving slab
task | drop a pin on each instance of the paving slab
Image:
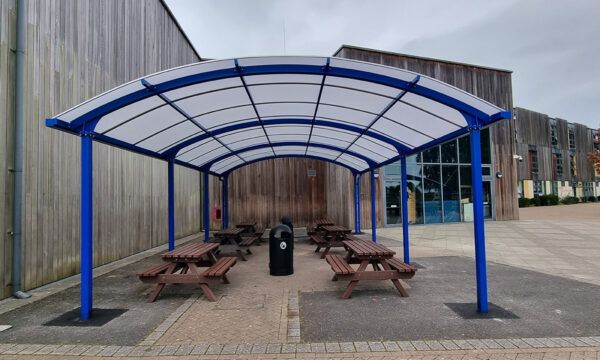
(540, 306)
(119, 289)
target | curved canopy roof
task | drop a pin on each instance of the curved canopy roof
(220, 115)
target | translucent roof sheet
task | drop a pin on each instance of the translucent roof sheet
(219, 115)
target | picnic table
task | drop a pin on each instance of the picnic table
(385, 265)
(248, 226)
(319, 223)
(332, 236)
(181, 266)
(231, 240)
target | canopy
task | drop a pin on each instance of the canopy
(219, 115)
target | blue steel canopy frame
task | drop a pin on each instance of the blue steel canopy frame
(84, 125)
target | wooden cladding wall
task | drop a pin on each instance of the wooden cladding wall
(268, 190)
(76, 50)
(584, 144)
(534, 128)
(492, 85)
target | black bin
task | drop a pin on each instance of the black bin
(281, 250)
(287, 220)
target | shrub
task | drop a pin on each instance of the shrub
(524, 202)
(583, 199)
(570, 200)
(536, 201)
(549, 199)
(591, 199)
(598, 198)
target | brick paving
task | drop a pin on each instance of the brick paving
(258, 316)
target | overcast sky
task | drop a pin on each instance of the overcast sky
(552, 47)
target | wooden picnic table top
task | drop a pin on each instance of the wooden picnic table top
(189, 252)
(362, 248)
(246, 224)
(324, 222)
(230, 231)
(336, 229)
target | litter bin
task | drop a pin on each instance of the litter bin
(281, 250)
(287, 220)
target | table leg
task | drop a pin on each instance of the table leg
(318, 248)
(161, 286)
(325, 252)
(396, 282)
(207, 291)
(353, 283)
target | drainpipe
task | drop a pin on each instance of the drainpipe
(18, 165)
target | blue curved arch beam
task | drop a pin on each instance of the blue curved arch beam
(93, 116)
(171, 152)
(207, 166)
(288, 156)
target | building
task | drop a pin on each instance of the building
(75, 50)
(553, 156)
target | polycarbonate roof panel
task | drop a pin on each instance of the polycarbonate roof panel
(221, 114)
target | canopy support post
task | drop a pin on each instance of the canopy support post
(480, 262)
(206, 208)
(356, 202)
(225, 202)
(171, 200)
(359, 212)
(405, 244)
(86, 225)
(373, 212)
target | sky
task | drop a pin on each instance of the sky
(552, 47)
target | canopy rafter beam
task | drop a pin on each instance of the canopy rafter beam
(239, 70)
(411, 85)
(177, 108)
(312, 125)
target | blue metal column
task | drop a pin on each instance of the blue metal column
(206, 208)
(405, 211)
(171, 202)
(86, 226)
(480, 262)
(356, 211)
(225, 203)
(359, 212)
(373, 213)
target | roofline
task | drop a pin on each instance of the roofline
(553, 117)
(417, 57)
(164, 4)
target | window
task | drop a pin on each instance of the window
(449, 152)
(558, 166)
(573, 166)
(538, 188)
(520, 188)
(533, 163)
(553, 133)
(555, 188)
(571, 137)
(432, 155)
(588, 188)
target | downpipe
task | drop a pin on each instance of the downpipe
(18, 159)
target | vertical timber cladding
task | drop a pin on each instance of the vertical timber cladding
(492, 85)
(267, 190)
(76, 50)
(584, 143)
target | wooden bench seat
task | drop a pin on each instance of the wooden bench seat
(318, 239)
(339, 265)
(402, 267)
(310, 231)
(259, 232)
(155, 270)
(248, 240)
(220, 267)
